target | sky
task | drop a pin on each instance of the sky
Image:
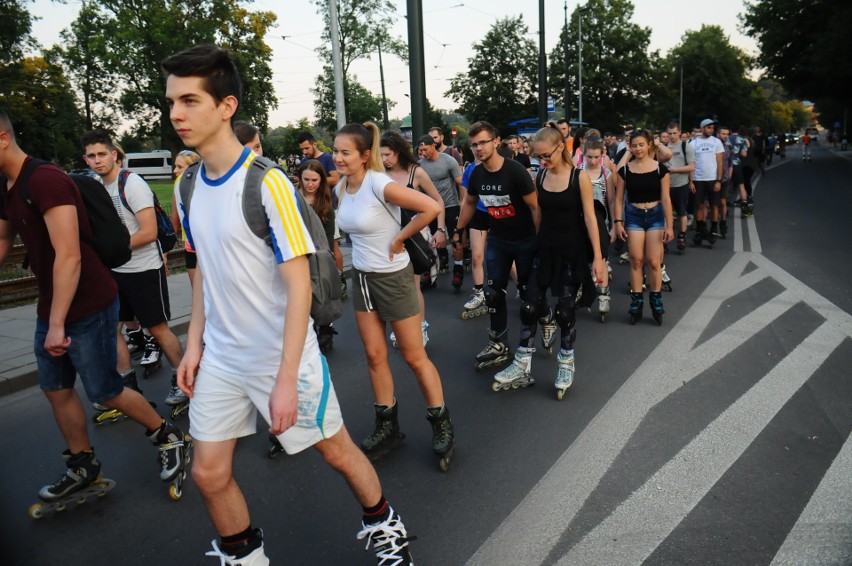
(451, 27)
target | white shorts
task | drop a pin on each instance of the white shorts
(225, 405)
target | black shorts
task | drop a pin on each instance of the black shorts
(680, 199)
(704, 192)
(191, 259)
(480, 221)
(451, 218)
(737, 178)
(143, 296)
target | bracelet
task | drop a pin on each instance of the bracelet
(618, 221)
(459, 231)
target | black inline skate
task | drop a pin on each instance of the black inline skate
(276, 447)
(495, 354)
(344, 289)
(175, 449)
(458, 277)
(105, 414)
(325, 338)
(386, 434)
(723, 229)
(150, 361)
(443, 435)
(657, 310)
(82, 479)
(681, 242)
(135, 342)
(637, 303)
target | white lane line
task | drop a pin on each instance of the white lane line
(823, 530)
(635, 529)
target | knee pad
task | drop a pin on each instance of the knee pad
(494, 291)
(564, 315)
(529, 314)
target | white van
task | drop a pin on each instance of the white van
(155, 164)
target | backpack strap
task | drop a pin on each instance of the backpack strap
(683, 149)
(123, 175)
(253, 210)
(24, 179)
(411, 176)
(186, 186)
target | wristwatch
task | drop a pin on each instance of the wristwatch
(444, 230)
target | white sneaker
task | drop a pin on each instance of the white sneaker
(256, 558)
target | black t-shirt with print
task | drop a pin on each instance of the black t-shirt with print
(502, 192)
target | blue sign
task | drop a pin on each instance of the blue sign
(551, 104)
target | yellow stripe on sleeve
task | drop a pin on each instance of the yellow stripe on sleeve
(288, 211)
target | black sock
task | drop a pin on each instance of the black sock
(377, 513)
(242, 544)
(478, 287)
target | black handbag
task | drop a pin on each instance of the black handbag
(419, 251)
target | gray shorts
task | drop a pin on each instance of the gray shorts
(392, 295)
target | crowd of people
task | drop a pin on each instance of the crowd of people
(545, 211)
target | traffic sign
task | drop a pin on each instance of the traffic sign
(455, 132)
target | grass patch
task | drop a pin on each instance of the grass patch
(163, 190)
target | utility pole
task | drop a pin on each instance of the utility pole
(336, 64)
(567, 101)
(384, 97)
(417, 68)
(542, 68)
(580, 61)
(680, 115)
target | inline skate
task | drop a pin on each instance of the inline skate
(564, 373)
(135, 341)
(723, 229)
(176, 399)
(175, 450)
(475, 306)
(443, 435)
(495, 354)
(657, 310)
(681, 242)
(105, 414)
(389, 539)
(624, 258)
(150, 361)
(325, 338)
(548, 333)
(386, 434)
(276, 447)
(603, 302)
(424, 330)
(458, 277)
(637, 302)
(667, 281)
(344, 289)
(82, 479)
(517, 374)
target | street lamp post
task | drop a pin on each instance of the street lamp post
(384, 97)
(567, 99)
(580, 60)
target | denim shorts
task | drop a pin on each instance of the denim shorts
(645, 219)
(91, 354)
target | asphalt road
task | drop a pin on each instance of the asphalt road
(721, 437)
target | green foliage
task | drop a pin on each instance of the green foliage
(618, 77)
(15, 28)
(804, 46)
(281, 141)
(500, 84)
(143, 33)
(361, 104)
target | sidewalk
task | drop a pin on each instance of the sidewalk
(17, 328)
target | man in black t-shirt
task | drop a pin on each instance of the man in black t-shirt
(507, 191)
(516, 144)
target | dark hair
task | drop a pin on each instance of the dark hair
(467, 153)
(437, 129)
(563, 121)
(482, 126)
(513, 137)
(643, 133)
(305, 137)
(213, 64)
(96, 136)
(366, 138)
(322, 201)
(503, 149)
(673, 124)
(395, 142)
(245, 132)
(6, 124)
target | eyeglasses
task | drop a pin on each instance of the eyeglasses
(481, 144)
(546, 156)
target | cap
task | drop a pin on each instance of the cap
(629, 128)
(707, 122)
(425, 139)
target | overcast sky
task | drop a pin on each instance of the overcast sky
(450, 28)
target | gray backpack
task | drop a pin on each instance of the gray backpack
(325, 280)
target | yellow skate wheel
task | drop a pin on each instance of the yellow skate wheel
(35, 511)
(175, 492)
(560, 393)
(496, 386)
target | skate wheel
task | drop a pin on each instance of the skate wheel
(60, 507)
(560, 393)
(659, 320)
(465, 315)
(603, 317)
(444, 463)
(36, 511)
(515, 385)
(496, 386)
(175, 492)
(81, 500)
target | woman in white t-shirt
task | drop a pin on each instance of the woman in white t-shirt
(369, 204)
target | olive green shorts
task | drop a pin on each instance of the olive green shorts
(392, 295)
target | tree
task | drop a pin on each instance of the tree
(500, 84)
(617, 72)
(803, 45)
(15, 29)
(143, 33)
(362, 25)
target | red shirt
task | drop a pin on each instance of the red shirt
(49, 186)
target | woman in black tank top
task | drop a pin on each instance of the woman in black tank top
(568, 241)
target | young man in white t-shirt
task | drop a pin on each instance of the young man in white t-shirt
(250, 346)
(142, 288)
(707, 180)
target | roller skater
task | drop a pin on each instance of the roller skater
(150, 361)
(657, 310)
(495, 354)
(667, 281)
(81, 480)
(707, 179)
(603, 302)
(443, 437)
(386, 434)
(517, 374)
(565, 372)
(681, 167)
(475, 306)
(637, 302)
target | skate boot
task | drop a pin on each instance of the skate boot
(467, 261)
(443, 263)
(700, 233)
(723, 229)
(104, 413)
(150, 361)
(657, 310)
(344, 289)
(667, 281)
(174, 452)
(424, 330)
(389, 539)
(176, 399)
(83, 469)
(744, 208)
(475, 306)
(386, 434)
(325, 338)
(637, 302)
(443, 436)
(603, 302)
(518, 374)
(548, 333)
(257, 557)
(609, 270)
(750, 203)
(714, 233)
(458, 277)
(681, 242)
(496, 353)
(624, 258)
(564, 373)
(429, 280)
(276, 447)
(135, 341)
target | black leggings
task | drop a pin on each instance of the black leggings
(535, 306)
